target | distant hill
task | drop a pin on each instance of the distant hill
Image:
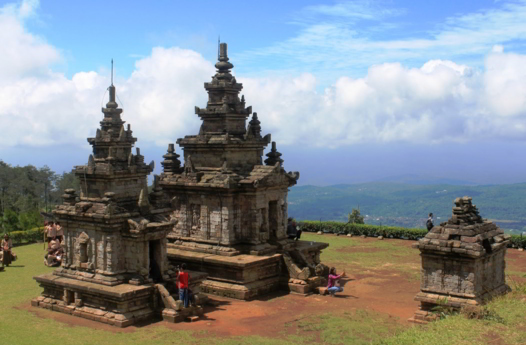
(407, 204)
(425, 180)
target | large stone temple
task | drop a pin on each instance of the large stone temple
(223, 213)
(115, 269)
(230, 207)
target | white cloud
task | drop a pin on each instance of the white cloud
(438, 102)
(22, 53)
(441, 101)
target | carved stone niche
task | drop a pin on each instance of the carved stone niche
(83, 242)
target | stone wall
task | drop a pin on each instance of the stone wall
(231, 219)
(211, 158)
(124, 187)
(95, 250)
(463, 276)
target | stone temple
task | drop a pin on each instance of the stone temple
(463, 262)
(230, 207)
(114, 239)
(223, 213)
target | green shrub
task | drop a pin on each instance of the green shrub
(377, 230)
(28, 236)
(518, 241)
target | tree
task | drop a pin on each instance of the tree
(10, 221)
(355, 217)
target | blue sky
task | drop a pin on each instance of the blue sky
(86, 33)
(352, 91)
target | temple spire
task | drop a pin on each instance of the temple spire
(112, 104)
(274, 156)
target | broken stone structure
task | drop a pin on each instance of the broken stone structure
(114, 239)
(463, 262)
(230, 208)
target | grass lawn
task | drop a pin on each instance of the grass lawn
(505, 323)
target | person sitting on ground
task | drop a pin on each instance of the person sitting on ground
(7, 246)
(333, 285)
(182, 283)
(292, 230)
(55, 252)
(429, 223)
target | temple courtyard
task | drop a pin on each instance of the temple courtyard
(378, 298)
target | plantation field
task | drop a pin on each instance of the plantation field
(383, 278)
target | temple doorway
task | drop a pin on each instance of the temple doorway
(155, 261)
(273, 220)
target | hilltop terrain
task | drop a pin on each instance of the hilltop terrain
(407, 205)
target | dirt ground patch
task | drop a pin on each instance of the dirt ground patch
(383, 289)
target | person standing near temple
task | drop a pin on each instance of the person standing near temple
(292, 231)
(59, 232)
(429, 223)
(51, 232)
(7, 245)
(182, 283)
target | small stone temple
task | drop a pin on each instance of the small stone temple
(229, 208)
(115, 269)
(463, 262)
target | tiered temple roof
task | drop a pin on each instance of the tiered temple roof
(226, 153)
(465, 233)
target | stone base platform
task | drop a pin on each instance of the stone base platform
(121, 305)
(190, 314)
(246, 291)
(302, 287)
(423, 317)
(241, 276)
(429, 300)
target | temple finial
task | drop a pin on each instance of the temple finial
(218, 45)
(111, 88)
(223, 55)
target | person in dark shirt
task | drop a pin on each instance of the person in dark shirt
(429, 223)
(292, 231)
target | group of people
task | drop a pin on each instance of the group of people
(7, 254)
(54, 235)
(53, 231)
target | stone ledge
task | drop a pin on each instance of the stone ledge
(94, 314)
(241, 261)
(238, 291)
(122, 291)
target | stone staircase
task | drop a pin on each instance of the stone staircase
(174, 310)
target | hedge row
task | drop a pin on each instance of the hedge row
(28, 236)
(377, 230)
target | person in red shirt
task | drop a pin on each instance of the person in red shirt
(182, 283)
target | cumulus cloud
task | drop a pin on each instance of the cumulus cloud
(441, 101)
(22, 53)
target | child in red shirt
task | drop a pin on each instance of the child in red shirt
(182, 283)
